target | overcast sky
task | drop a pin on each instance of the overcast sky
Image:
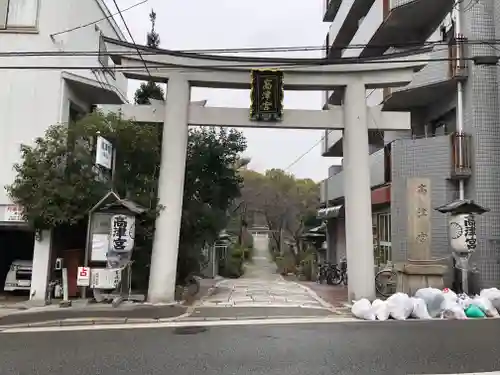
(202, 24)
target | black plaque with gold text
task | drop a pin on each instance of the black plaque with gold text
(266, 95)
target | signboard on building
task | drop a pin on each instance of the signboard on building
(266, 95)
(83, 276)
(13, 213)
(419, 218)
(122, 233)
(104, 153)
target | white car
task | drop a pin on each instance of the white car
(19, 276)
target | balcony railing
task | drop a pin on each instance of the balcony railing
(437, 71)
(461, 159)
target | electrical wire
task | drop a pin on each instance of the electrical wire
(304, 154)
(96, 21)
(132, 38)
(284, 66)
(221, 51)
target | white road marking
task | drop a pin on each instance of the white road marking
(472, 373)
(219, 323)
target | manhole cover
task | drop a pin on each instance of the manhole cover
(189, 330)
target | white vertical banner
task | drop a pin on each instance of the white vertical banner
(122, 233)
(104, 153)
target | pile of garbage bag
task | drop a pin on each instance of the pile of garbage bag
(430, 303)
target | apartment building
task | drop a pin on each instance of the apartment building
(64, 78)
(370, 28)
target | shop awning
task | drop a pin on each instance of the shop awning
(330, 212)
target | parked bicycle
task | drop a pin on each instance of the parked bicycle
(322, 273)
(343, 272)
(332, 274)
(386, 280)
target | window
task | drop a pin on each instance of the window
(18, 14)
(382, 238)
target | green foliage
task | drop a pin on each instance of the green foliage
(232, 267)
(148, 91)
(210, 187)
(57, 182)
(286, 204)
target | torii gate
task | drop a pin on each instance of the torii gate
(181, 71)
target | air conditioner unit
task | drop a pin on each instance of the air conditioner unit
(105, 278)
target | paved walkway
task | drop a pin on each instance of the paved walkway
(261, 287)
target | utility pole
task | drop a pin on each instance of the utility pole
(459, 40)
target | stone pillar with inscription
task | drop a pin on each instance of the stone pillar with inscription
(420, 270)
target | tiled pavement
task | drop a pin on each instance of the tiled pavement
(334, 295)
(261, 287)
(263, 293)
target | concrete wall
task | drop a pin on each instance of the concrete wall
(482, 120)
(335, 184)
(32, 100)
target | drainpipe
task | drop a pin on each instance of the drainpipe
(460, 96)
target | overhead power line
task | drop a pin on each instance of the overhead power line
(96, 21)
(304, 154)
(220, 51)
(282, 66)
(131, 37)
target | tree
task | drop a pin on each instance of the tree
(286, 203)
(150, 90)
(57, 182)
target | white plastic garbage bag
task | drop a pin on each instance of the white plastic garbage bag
(400, 306)
(492, 294)
(433, 299)
(452, 310)
(381, 309)
(363, 309)
(486, 306)
(450, 295)
(419, 309)
(464, 301)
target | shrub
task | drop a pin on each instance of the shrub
(232, 267)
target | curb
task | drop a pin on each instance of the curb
(315, 295)
(93, 321)
(232, 318)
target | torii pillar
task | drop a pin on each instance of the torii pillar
(357, 195)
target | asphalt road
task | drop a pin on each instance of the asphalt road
(339, 348)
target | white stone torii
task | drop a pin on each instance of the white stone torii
(181, 71)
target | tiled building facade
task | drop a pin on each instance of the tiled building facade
(430, 149)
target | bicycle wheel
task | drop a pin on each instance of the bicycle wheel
(385, 282)
(335, 277)
(344, 278)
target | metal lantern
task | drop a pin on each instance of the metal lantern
(462, 233)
